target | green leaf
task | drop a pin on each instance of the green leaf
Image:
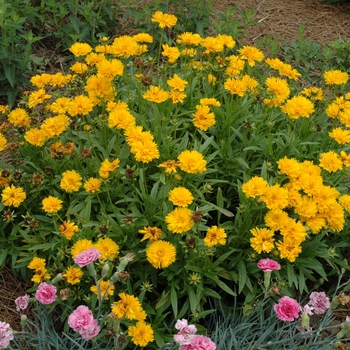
(174, 299)
(193, 300)
(163, 300)
(242, 276)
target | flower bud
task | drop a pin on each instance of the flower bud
(57, 278)
(105, 270)
(24, 320)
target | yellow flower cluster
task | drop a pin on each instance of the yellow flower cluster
(38, 265)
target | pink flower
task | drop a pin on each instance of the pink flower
(81, 319)
(287, 309)
(92, 332)
(186, 333)
(22, 302)
(199, 342)
(320, 302)
(87, 257)
(268, 265)
(5, 335)
(46, 293)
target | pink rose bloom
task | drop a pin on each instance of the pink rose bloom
(287, 309)
(5, 335)
(199, 342)
(90, 333)
(46, 293)
(87, 257)
(320, 302)
(81, 319)
(186, 333)
(268, 265)
(22, 302)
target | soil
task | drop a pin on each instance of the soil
(281, 19)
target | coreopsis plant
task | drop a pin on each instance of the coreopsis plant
(199, 158)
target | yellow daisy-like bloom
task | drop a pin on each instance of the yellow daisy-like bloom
(59, 106)
(121, 119)
(79, 67)
(294, 230)
(100, 89)
(80, 246)
(181, 196)
(211, 79)
(210, 102)
(107, 247)
(80, 105)
(73, 275)
(227, 40)
(215, 235)
(80, 49)
(340, 135)
(13, 196)
(345, 158)
(37, 264)
(274, 63)
(251, 54)
(235, 65)
(105, 289)
(4, 108)
(40, 276)
(256, 186)
(141, 334)
(170, 166)
(145, 151)
(107, 167)
(124, 46)
(177, 96)
(335, 217)
(3, 142)
(235, 86)
(313, 93)
(177, 83)
(203, 118)
(325, 197)
(289, 166)
(306, 207)
(189, 38)
(161, 254)
(110, 69)
(263, 240)
(288, 249)
(331, 161)
(92, 185)
(212, 44)
(276, 219)
(275, 197)
(51, 204)
(345, 202)
(315, 223)
(41, 80)
(55, 126)
(298, 106)
(68, 228)
(143, 38)
(151, 233)
(278, 89)
(192, 162)
(155, 94)
(37, 97)
(164, 20)
(173, 53)
(180, 220)
(335, 77)
(250, 83)
(71, 181)
(128, 307)
(19, 117)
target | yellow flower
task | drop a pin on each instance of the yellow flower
(203, 118)
(180, 220)
(37, 264)
(73, 275)
(13, 196)
(51, 204)
(79, 67)
(313, 93)
(107, 247)
(40, 276)
(345, 202)
(212, 44)
(141, 334)
(289, 166)
(92, 185)
(35, 137)
(81, 245)
(340, 135)
(128, 307)
(151, 233)
(210, 102)
(121, 119)
(107, 167)
(276, 219)
(278, 91)
(235, 86)
(172, 53)
(80, 105)
(227, 40)
(55, 126)
(105, 289)
(298, 106)
(287, 70)
(68, 228)
(294, 230)
(110, 69)
(256, 186)
(288, 249)
(331, 161)
(71, 181)
(251, 54)
(177, 83)
(60, 105)
(275, 197)
(235, 65)
(335, 77)
(215, 236)
(263, 240)
(315, 223)
(155, 94)
(164, 20)
(124, 46)
(169, 166)
(145, 151)
(335, 217)
(192, 162)
(100, 89)
(143, 38)
(80, 49)
(3, 142)
(181, 196)
(177, 96)
(161, 254)
(19, 117)
(188, 38)
(37, 97)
